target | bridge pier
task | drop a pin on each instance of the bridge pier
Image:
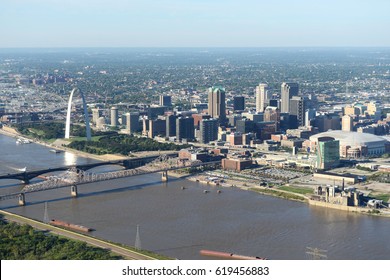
(73, 191)
(164, 176)
(21, 199)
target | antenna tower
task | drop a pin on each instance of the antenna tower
(137, 240)
(46, 215)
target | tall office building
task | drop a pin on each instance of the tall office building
(217, 104)
(114, 116)
(327, 122)
(185, 128)
(208, 130)
(239, 103)
(347, 123)
(351, 110)
(297, 111)
(328, 153)
(245, 126)
(132, 122)
(96, 114)
(263, 96)
(157, 127)
(310, 115)
(123, 120)
(232, 119)
(272, 114)
(171, 125)
(165, 100)
(155, 111)
(288, 90)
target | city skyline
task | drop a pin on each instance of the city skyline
(173, 23)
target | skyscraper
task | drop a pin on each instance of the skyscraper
(157, 127)
(96, 114)
(297, 111)
(310, 115)
(171, 125)
(328, 153)
(263, 95)
(272, 114)
(217, 104)
(165, 100)
(208, 130)
(347, 123)
(132, 122)
(185, 128)
(288, 90)
(114, 116)
(239, 103)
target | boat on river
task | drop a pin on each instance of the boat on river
(70, 226)
(224, 255)
(23, 141)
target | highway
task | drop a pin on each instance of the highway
(125, 253)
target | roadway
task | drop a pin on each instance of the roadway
(124, 252)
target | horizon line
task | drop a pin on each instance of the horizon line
(198, 47)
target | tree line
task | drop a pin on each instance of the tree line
(122, 144)
(23, 242)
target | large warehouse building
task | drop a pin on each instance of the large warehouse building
(353, 144)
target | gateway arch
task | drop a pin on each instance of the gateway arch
(86, 117)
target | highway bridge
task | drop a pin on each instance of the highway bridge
(26, 176)
(75, 177)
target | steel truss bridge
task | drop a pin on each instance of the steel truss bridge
(74, 177)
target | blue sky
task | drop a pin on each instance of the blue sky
(194, 23)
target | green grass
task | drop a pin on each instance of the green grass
(144, 252)
(278, 194)
(93, 138)
(37, 131)
(381, 196)
(296, 190)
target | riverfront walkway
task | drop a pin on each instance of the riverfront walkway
(124, 252)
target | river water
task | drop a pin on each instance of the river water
(178, 223)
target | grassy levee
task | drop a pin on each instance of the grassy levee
(143, 254)
(296, 190)
(280, 193)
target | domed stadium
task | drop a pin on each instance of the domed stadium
(356, 144)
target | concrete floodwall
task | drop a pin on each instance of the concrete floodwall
(337, 206)
(337, 178)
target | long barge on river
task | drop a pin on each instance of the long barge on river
(67, 225)
(217, 254)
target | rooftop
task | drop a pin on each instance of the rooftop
(351, 138)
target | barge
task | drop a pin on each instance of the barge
(70, 226)
(225, 255)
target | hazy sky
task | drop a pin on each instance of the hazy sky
(194, 23)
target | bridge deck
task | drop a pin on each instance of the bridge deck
(86, 178)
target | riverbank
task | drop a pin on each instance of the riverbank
(244, 183)
(93, 241)
(57, 145)
(252, 186)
